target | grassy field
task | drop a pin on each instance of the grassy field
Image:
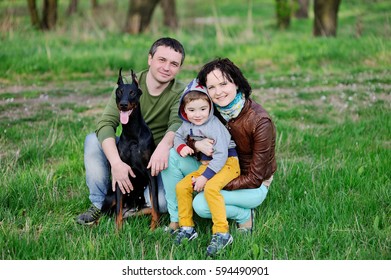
(330, 99)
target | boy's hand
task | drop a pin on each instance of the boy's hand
(199, 183)
(186, 151)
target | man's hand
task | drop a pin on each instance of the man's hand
(205, 146)
(159, 158)
(120, 172)
(199, 183)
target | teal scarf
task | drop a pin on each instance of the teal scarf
(233, 109)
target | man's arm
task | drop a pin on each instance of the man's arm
(159, 158)
(119, 170)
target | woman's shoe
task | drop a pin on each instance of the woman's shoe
(247, 227)
(172, 228)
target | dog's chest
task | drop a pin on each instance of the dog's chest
(135, 152)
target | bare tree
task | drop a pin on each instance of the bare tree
(94, 4)
(302, 9)
(283, 13)
(326, 17)
(49, 14)
(169, 12)
(72, 8)
(32, 5)
(139, 15)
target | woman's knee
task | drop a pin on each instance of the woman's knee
(200, 206)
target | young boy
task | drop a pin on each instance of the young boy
(199, 122)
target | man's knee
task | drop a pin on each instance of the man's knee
(91, 145)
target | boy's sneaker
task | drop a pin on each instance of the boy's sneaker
(89, 217)
(185, 234)
(218, 243)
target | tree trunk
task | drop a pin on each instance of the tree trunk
(139, 15)
(302, 10)
(34, 14)
(94, 4)
(72, 8)
(326, 17)
(169, 13)
(49, 17)
(283, 13)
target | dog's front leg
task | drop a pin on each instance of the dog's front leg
(153, 195)
(119, 208)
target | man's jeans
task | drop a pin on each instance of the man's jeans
(98, 174)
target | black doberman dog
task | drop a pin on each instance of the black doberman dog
(135, 148)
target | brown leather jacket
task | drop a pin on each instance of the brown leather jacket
(255, 137)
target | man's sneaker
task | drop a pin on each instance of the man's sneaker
(89, 217)
(218, 243)
(185, 234)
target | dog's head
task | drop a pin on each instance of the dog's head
(127, 97)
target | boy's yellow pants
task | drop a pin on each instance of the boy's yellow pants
(184, 192)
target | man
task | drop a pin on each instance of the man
(159, 107)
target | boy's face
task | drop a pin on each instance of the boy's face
(197, 111)
(165, 64)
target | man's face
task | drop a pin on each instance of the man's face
(165, 64)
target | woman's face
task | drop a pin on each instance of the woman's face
(219, 88)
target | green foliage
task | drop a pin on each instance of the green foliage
(329, 99)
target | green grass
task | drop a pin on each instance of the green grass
(329, 98)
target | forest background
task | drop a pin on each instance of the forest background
(329, 96)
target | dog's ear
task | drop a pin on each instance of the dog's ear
(134, 78)
(120, 81)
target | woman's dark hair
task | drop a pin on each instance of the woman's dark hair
(229, 70)
(168, 42)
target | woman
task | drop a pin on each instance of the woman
(254, 133)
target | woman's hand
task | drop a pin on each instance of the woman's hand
(205, 146)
